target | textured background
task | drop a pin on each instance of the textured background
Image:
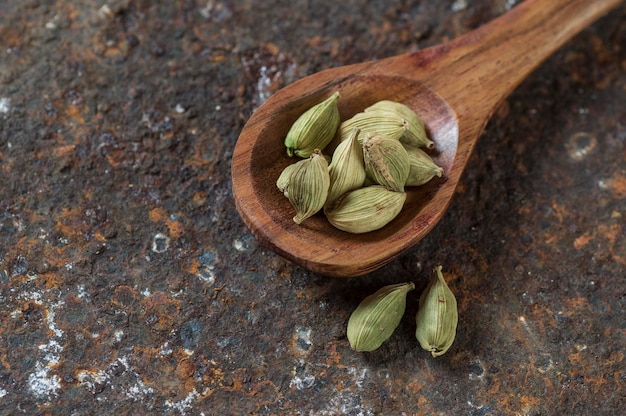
(129, 284)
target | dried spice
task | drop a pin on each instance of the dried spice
(308, 186)
(377, 316)
(437, 316)
(347, 170)
(314, 129)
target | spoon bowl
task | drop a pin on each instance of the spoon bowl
(317, 238)
(454, 88)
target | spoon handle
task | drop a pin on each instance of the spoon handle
(493, 59)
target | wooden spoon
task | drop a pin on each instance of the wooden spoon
(455, 87)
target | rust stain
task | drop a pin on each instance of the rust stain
(582, 241)
(528, 402)
(191, 266)
(157, 214)
(265, 392)
(560, 211)
(125, 298)
(199, 198)
(333, 357)
(618, 186)
(184, 371)
(175, 228)
(73, 112)
(161, 311)
(551, 238)
(577, 358)
(214, 376)
(64, 150)
(611, 232)
(577, 304)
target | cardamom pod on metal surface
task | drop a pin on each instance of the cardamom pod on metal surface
(377, 316)
(437, 316)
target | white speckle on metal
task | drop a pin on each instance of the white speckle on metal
(358, 376)
(165, 349)
(183, 405)
(238, 244)
(41, 384)
(53, 348)
(160, 243)
(5, 105)
(580, 145)
(510, 4)
(245, 244)
(459, 5)
(52, 351)
(302, 383)
(303, 340)
(105, 11)
(206, 275)
(263, 85)
(82, 293)
(91, 379)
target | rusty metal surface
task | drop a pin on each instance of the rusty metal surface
(129, 285)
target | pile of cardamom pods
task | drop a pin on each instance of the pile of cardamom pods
(378, 315)
(377, 153)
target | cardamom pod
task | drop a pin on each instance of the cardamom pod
(437, 316)
(415, 134)
(347, 171)
(365, 209)
(377, 316)
(421, 167)
(386, 162)
(314, 129)
(308, 186)
(379, 123)
(282, 183)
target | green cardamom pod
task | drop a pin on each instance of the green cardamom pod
(415, 134)
(314, 129)
(421, 167)
(282, 183)
(308, 186)
(347, 171)
(437, 316)
(378, 123)
(377, 316)
(365, 209)
(386, 162)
